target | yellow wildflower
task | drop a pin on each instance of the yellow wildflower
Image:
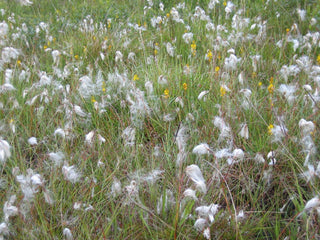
(209, 55)
(166, 93)
(287, 30)
(271, 80)
(216, 69)
(45, 47)
(318, 59)
(223, 91)
(76, 57)
(93, 100)
(103, 87)
(260, 84)
(224, 3)
(185, 86)
(155, 52)
(168, 15)
(271, 88)
(254, 74)
(19, 63)
(193, 48)
(135, 77)
(270, 127)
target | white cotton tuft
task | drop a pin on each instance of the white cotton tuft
(67, 234)
(181, 138)
(202, 149)
(89, 137)
(200, 224)
(195, 174)
(306, 127)
(78, 110)
(244, 131)
(208, 212)
(238, 154)
(118, 56)
(129, 136)
(57, 158)
(202, 95)
(32, 141)
(259, 158)
(71, 174)
(190, 193)
(312, 203)
(4, 151)
(170, 49)
(116, 188)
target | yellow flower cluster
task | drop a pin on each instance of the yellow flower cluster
(209, 55)
(135, 77)
(223, 91)
(185, 86)
(271, 86)
(193, 48)
(166, 93)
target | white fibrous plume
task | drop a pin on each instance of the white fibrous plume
(165, 202)
(288, 92)
(4, 151)
(306, 127)
(132, 191)
(278, 132)
(57, 158)
(231, 62)
(225, 130)
(129, 136)
(91, 136)
(190, 193)
(32, 141)
(244, 131)
(170, 49)
(116, 187)
(71, 173)
(30, 184)
(195, 174)
(202, 95)
(208, 212)
(118, 56)
(181, 141)
(187, 37)
(67, 234)
(312, 204)
(202, 149)
(308, 145)
(139, 107)
(200, 224)
(246, 98)
(9, 210)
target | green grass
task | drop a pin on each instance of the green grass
(87, 35)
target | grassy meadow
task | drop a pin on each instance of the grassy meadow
(159, 119)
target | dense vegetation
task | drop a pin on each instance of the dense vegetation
(159, 120)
